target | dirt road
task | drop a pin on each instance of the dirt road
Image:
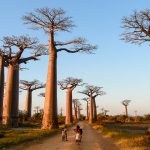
(91, 141)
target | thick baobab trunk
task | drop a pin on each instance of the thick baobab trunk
(94, 110)
(15, 98)
(69, 106)
(78, 112)
(1, 85)
(91, 110)
(50, 106)
(28, 103)
(75, 113)
(126, 111)
(8, 98)
(87, 111)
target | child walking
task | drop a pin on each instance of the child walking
(77, 137)
(63, 135)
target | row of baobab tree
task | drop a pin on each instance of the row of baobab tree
(51, 21)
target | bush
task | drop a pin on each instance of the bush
(61, 119)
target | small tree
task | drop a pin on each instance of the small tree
(125, 103)
(53, 21)
(30, 87)
(137, 27)
(69, 84)
(105, 112)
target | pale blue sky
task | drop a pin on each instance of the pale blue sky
(123, 69)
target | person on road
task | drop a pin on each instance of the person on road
(77, 137)
(65, 129)
(63, 134)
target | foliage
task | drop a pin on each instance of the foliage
(61, 119)
(22, 116)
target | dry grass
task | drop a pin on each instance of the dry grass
(16, 136)
(127, 136)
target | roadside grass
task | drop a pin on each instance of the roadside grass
(27, 132)
(15, 136)
(126, 136)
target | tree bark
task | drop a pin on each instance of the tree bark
(78, 112)
(28, 103)
(75, 113)
(8, 98)
(94, 110)
(87, 111)
(15, 97)
(126, 111)
(91, 110)
(1, 85)
(50, 106)
(69, 106)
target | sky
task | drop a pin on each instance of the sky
(123, 69)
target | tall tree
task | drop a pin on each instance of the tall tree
(125, 103)
(137, 27)
(92, 92)
(69, 84)
(53, 21)
(75, 104)
(78, 111)
(15, 46)
(30, 87)
(86, 99)
(2, 64)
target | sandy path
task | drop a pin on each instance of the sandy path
(91, 141)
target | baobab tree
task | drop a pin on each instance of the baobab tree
(137, 27)
(75, 104)
(30, 86)
(78, 110)
(15, 46)
(86, 99)
(37, 109)
(53, 21)
(61, 111)
(125, 103)
(105, 112)
(92, 92)
(69, 84)
(2, 64)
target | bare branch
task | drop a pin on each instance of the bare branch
(49, 19)
(70, 83)
(33, 85)
(126, 102)
(93, 91)
(76, 45)
(137, 27)
(42, 95)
